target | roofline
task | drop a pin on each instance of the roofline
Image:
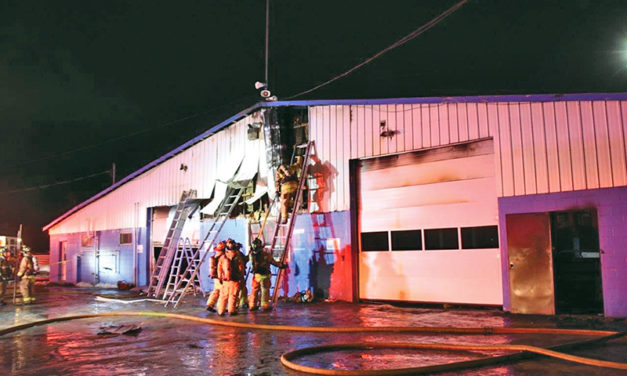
(323, 102)
(154, 163)
(464, 99)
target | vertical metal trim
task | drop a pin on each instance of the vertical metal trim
(583, 144)
(440, 142)
(396, 128)
(448, 122)
(372, 127)
(596, 149)
(412, 126)
(570, 151)
(522, 149)
(354, 184)
(429, 113)
(557, 146)
(533, 149)
(609, 142)
(622, 126)
(467, 106)
(457, 121)
(498, 135)
(479, 120)
(511, 149)
(546, 150)
(422, 126)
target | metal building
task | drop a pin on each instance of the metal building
(512, 201)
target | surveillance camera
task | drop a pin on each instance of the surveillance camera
(259, 85)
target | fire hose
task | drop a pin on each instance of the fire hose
(518, 351)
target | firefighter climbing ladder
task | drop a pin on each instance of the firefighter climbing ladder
(184, 252)
(283, 231)
(188, 279)
(186, 206)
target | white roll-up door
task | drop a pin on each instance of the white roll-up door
(428, 226)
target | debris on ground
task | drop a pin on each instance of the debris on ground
(126, 329)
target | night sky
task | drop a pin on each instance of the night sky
(84, 84)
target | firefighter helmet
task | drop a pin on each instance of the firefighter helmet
(257, 244)
(219, 247)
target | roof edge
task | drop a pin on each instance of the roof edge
(154, 163)
(462, 99)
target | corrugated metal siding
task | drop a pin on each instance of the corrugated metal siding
(163, 184)
(540, 147)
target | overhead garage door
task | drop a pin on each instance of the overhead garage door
(428, 226)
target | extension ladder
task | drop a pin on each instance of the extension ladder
(184, 252)
(186, 206)
(283, 231)
(189, 277)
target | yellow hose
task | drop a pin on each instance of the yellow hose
(286, 359)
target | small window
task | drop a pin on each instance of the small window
(480, 237)
(441, 238)
(407, 240)
(126, 238)
(374, 241)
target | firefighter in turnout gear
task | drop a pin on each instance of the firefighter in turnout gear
(6, 272)
(27, 273)
(213, 273)
(231, 272)
(286, 183)
(261, 262)
(243, 292)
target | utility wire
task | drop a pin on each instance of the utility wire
(44, 186)
(398, 43)
(108, 141)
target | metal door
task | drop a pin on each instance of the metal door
(530, 263)
(62, 275)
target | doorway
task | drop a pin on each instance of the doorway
(576, 262)
(62, 273)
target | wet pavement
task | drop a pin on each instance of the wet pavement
(166, 347)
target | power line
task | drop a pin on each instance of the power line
(44, 186)
(398, 43)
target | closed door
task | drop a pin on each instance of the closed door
(530, 263)
(62, 261)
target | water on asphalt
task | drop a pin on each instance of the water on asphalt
(167, 347)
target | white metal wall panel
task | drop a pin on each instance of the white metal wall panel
(540, 147)
(163, 184)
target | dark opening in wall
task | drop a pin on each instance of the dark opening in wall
(374, 241)
(441, 238)
(410, 240)
(480, 237)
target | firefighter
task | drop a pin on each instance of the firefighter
(27, 273)
(286, 183)
(213, 273)
(5, 272)
(231, 270)
(243, 291)
(261, 262)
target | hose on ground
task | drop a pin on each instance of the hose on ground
(519, 351)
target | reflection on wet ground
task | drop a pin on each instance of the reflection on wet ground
(170, 347)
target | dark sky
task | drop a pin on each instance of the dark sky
(87, 83)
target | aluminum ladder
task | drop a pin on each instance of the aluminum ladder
(186, 206)
(184, 252)
(283, 231)
(189, 277)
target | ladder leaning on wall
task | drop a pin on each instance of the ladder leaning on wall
(283, 231)
(189, 278)
(185, 253)
(186, 206)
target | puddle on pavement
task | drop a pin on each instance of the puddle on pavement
(166, 347)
